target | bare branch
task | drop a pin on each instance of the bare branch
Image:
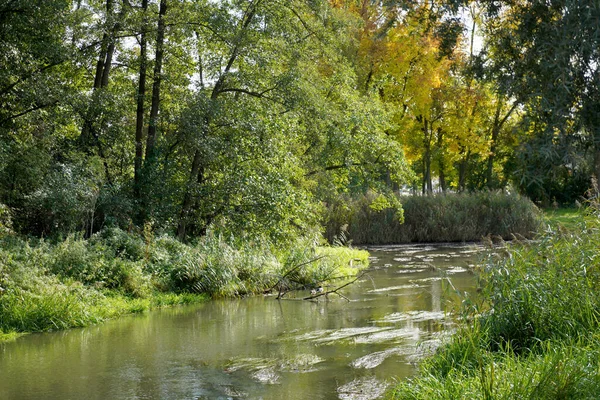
(35, 108)
(325, 293)
(292, 270)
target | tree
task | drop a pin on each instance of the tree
(546, 55)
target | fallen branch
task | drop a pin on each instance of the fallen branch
(325, 293)
(288, 273)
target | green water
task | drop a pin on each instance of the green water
(256, 348)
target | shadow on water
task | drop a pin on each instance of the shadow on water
(257, 348)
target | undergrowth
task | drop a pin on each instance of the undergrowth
(77, 282)
(536, 334)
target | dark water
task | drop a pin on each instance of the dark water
(257, 348)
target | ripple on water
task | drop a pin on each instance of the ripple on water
(374, 359)
(410, 270)
(414, 316)
(362, 389)
(302, 363)
(425, 348)
(402, 259)
(432, 279)
(266, 376)
(456, 270)
(325, 336)
(265, 370)
(393, 288)
(389, 335)
(410, 353)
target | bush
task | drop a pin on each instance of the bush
(121, 244)
(438, 218)
(94, 263)
(221, 269)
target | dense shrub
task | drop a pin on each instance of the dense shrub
(439, 218)
(222, 269)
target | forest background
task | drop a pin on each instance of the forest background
(254, 116)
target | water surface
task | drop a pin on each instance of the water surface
(257, 348)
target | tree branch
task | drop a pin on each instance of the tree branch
(334, 167)
(314, 296)
(250, 92)
(30, 75)
(292, 270)
(38, 107)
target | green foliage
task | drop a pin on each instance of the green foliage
(6, 226)
(564, 218)
(562, 371)
(99, 265)
(440, 218)
(545, 291)
(545, 54)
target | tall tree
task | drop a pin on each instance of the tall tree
(546, 54)
(140, 110)
(156, 85)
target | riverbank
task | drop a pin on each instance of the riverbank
(76, 282)
(535, 334)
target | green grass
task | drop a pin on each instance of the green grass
(536, 334)
(564, 218)
(560, 371)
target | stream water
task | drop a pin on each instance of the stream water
(257, 348)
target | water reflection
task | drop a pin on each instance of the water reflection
(256, 348)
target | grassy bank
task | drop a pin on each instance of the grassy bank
(372, 219)
(536, 335)
(77, 282)
(564, 218)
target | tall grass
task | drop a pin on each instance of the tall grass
(79, 282)
(536, 335)
(438, 218)
(561, 371)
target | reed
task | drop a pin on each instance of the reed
(79, 282)
(438, 218)
(535, 334)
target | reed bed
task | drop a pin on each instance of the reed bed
(438, 218)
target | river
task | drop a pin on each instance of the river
(257, 348)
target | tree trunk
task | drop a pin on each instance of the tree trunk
(139, 123)
(496, 128)
(442, 176)
(441, 163)
(197, 172)
(427, 180)
(160, 38)
(188, 198)
(89, 134)
(463, 170)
